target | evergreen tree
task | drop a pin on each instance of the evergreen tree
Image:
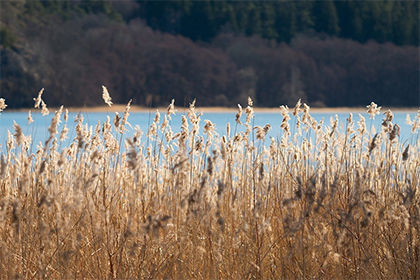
(382, 21)
(254, 25)
(231, 18)
(345, 16)
(304, 16)
(326, 19)
(199, 23)
(286, 20)
(268, 18)
(405, 23)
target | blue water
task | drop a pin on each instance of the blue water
(39, 128)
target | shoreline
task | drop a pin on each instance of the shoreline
(120, 108)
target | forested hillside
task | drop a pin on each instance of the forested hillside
(382, 21)
(329, 53)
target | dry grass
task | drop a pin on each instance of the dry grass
(316, 202)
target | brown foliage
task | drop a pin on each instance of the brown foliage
(72, 59)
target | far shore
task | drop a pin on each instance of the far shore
(120, 108)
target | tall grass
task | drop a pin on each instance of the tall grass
(315, 202)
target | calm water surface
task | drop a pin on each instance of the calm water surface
(39, 128)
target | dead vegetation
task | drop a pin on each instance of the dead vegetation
(317, 202)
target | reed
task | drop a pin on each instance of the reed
(197, 205)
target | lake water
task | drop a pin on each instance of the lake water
(39, 128)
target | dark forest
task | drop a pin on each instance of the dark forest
(328, 53)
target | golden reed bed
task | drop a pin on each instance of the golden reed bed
(315, 202)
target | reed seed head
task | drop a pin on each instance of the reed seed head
(106, 97)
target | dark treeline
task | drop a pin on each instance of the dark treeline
(382, 21)
(219, 52)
